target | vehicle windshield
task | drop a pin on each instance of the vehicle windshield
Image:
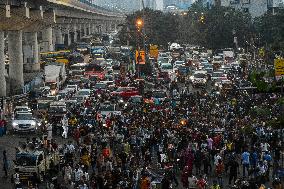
(199, 75)
(100, 86)
(43, 105)
(121, 89)
(109, 107)
(77, 67)
(217, 74)
(57, 109)
(25, 160)
(83, 93)
(166, 66)
(94, 68)
(159, 94)
(22, 116)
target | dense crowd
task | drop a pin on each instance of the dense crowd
(193, 141)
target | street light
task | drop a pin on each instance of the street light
(139, 22)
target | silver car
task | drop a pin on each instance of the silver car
(24, 122)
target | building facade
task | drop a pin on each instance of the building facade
(255, 7)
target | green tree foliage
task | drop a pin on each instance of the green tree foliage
(213, 27)
(160, 28)
(271, 27)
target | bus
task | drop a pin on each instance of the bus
(56, 56)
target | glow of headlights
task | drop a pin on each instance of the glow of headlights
(33, 123)
(14, 124)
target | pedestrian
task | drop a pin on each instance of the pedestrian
(5, 164)
(49, 131)
(64, 123)
(245, 162)
(234, 169)
(219, 172)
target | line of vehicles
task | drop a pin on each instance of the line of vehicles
(199, 67)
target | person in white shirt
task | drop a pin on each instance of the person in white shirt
(64, 122)
(78, 173)
(49, 131)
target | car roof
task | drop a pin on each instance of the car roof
(23, 112)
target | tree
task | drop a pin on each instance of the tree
(271, 27)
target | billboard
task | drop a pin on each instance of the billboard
(279, 68)
(140, 57)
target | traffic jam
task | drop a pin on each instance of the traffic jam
(188, 123)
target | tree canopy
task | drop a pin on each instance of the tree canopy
(215, 28)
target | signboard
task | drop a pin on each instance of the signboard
(279, 68)
(154, 52)
(140, 57)
(261, 52)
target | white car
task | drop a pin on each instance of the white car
(178, 63)
(107, 109)
(24, 122)
(167, 67)
(199, 78)
(84, 92)
(72, 88)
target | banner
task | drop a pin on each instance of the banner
(140, 57)
(279, 68)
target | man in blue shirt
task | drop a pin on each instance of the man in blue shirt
(245, 161)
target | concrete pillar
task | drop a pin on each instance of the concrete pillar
(89, 29)
(67, 38)
(75, 33)
(58, 36)
(2, 66)
(93, 28)
(85, 29)
(79, 32)
(31, 52)
(15, 51)
(47, 40)
(115, 27)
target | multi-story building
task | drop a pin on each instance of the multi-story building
(255, 7)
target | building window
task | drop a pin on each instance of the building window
(246, 1)
(234, 1)
(246, 10)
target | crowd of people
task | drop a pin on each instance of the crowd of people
(199, 140)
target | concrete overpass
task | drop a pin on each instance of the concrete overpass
(30, 26)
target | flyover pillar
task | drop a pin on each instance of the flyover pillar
(79, 32)
(90, 29)
(15, 51)
(2, 66)
(67, 36)
(93, 28)
(58, 36)
(31, 52)
(75, 33)
(47, 40)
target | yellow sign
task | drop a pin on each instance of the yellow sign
(261, 52)
(154, 52)
(140, 57)
(279, 68)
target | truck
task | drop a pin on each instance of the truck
(54, 76)
(30, 162)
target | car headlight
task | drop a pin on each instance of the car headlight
(15, 124)
(216, 84)
(33, 123)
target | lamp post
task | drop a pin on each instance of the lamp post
(139, 25)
